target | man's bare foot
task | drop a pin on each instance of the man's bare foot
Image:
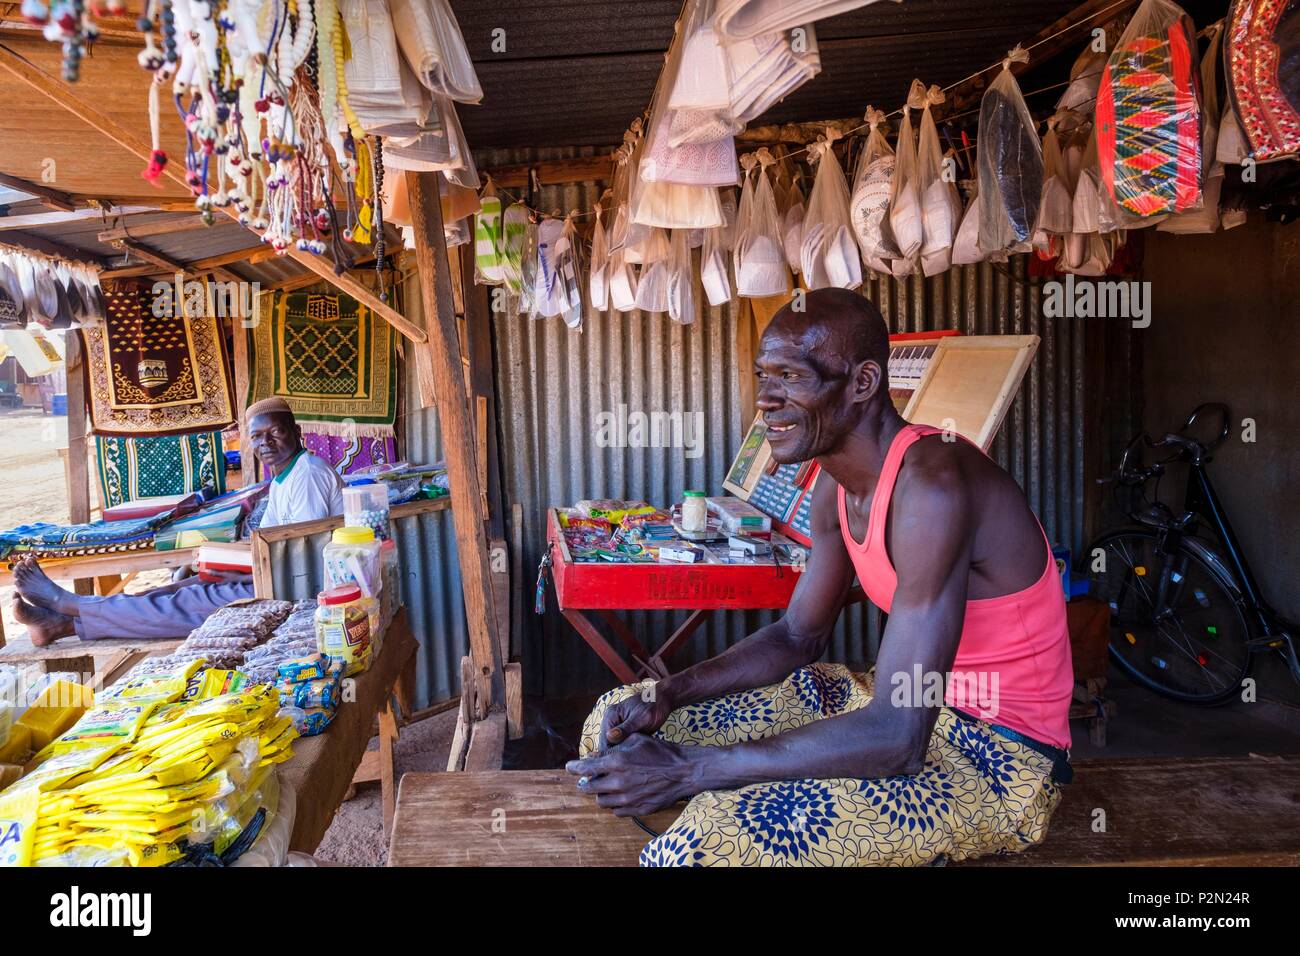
(35, 587)
(44, 626)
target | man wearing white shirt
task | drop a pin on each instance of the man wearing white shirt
(304, 488)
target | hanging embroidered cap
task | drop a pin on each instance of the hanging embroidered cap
(1149, 115)
(11, 317)
(16, 312)
(1262, 62)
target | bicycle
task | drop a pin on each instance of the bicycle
(1187, 615)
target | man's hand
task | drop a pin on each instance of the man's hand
(645, 774)
(642, 713)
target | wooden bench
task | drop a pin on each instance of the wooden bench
(1211, 811)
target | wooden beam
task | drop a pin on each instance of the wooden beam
(146, 229)
(55, 218)
(54, 198)
(443, 357)
(242, 371)
(556, 172)
(163, 264)
(63, 95)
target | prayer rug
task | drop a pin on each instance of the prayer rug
(979, 792)
(152, 374)
(132, 468)
(349, 455)
(330, 358)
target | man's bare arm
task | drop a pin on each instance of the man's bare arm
(933, 530)
(771, 653)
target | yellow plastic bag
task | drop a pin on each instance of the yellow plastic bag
(17, 825)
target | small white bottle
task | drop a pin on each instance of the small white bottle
(695, 514)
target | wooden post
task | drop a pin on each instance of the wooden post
(458, 434)
(78, 470)
(239, 357)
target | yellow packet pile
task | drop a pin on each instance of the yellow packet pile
(166, 759)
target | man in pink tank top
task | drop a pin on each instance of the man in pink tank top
(955, 745)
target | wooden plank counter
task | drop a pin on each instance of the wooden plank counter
(322, 767)
(1209, 811)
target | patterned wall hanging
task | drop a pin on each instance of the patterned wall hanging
(133, 468)
(330, 358)
(150, 374)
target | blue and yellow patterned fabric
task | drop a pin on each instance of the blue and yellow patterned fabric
(979, 793)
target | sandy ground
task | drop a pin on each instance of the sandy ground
(356, 837)
(33, 488)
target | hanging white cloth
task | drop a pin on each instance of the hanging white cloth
(431, 41)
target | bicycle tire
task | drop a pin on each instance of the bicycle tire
(1144, 654)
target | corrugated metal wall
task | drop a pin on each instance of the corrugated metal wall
(553, 383)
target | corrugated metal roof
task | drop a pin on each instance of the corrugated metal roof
(577, 73)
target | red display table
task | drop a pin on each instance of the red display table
(700, 588)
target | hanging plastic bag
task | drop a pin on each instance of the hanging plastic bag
(529, 304)
(598, 277)
(713, 268)
(869, 203)
(759, 256)
(940, 202)
(1010, 164)
(828, 252)
(1206, 219)
(1056, 216)
(1085, 79)
(681, 280)
(568, 268)
(906, 220)
(514, 225)
(1149, 116)
(966, 245)
(432, 43)
(622, 277)
(792, 226)
(652, 288)
(489, 257)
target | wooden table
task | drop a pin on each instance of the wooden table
(322, 767)
(605, 589)
(1207, 811)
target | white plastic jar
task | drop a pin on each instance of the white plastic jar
(695, 513)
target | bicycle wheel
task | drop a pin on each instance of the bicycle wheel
(1176, 624)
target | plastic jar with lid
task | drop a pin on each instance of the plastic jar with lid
(343, 627)
(365, 505)
(695, 513)
(352, 557)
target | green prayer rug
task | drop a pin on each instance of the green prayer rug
(132, 468)
(330, 358)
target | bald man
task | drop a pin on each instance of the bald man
(303, 488)
(956, 744)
